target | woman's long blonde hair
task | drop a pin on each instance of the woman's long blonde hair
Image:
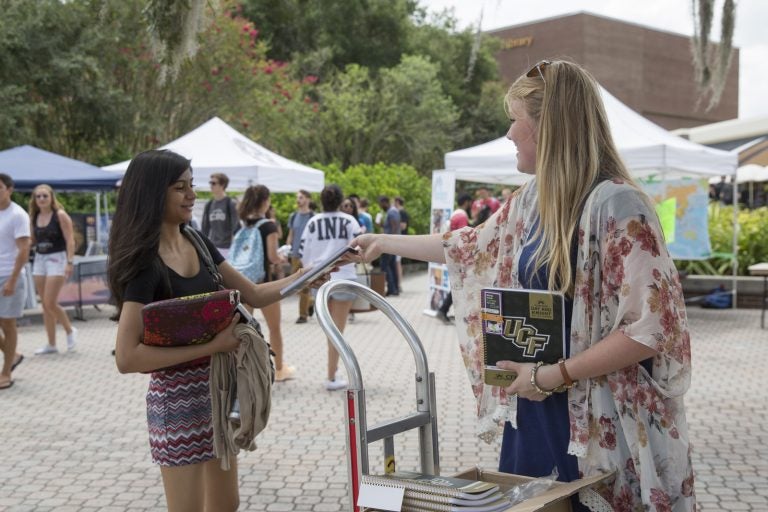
(575, 147)
(34, 209)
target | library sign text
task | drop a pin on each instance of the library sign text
(517, 42)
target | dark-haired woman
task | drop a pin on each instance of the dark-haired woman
(323, 235)
(252, 209)
(150, 259)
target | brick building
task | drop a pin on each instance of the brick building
(649, 70)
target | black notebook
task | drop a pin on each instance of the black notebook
(525, 326)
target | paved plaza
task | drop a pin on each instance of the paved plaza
(74, 437)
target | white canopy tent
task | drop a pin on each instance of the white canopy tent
(215, 146)
(746, 174)
(751, 172)
(646, 148)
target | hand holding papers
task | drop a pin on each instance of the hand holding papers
(318, 271)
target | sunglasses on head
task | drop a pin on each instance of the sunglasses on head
(538, 70)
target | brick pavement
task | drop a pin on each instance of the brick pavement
(73, 430)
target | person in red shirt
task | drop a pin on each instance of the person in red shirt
(484, 206)
(460, 216)
(459, 219)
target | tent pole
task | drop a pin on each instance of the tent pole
(106, 212)
(735, 242)
(98, 216)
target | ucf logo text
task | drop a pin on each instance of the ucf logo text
(525, 336)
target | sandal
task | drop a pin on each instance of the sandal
(6, 384)
(17, 361)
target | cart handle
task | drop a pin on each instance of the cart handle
(343, 348)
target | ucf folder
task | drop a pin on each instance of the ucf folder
(525, 326)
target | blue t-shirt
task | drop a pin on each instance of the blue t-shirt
(365, 220)
(296, 222)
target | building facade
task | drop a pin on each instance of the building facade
(651, 71)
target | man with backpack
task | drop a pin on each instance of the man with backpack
(220, 220)
(296, 223)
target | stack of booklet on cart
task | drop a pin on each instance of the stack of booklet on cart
(429, 493)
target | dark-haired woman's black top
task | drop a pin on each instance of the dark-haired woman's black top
(148, 285)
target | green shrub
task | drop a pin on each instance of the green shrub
(73, 202)
(753, 224)
(371, 181)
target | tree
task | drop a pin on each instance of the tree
(173, 27)
(468, 73)
(401, 115)
(321, 38)
(329, 34)
(91, 88)
(52, 89)
(711, 61)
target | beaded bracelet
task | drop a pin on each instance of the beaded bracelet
(563, 387)
(533, 380)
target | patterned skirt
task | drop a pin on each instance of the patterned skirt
(179, 416)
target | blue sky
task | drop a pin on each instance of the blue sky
(751, 34)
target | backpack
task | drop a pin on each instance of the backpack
(719, 298)
(246, 254)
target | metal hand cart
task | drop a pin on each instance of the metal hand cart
(359, 436)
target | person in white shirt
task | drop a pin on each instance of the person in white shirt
(323, 235)
(14, 254)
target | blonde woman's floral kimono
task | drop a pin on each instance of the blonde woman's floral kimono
(628, 421)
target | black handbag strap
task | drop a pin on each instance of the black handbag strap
(204, 253)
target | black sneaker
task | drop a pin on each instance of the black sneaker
(301, 320)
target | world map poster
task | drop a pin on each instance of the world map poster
(682, 206)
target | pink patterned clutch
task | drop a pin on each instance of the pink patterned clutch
(190, 320)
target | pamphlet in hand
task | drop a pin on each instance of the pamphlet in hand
(525, 326)
(317, 271)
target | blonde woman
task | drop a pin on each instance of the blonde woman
(584, 228)
(54, 242)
